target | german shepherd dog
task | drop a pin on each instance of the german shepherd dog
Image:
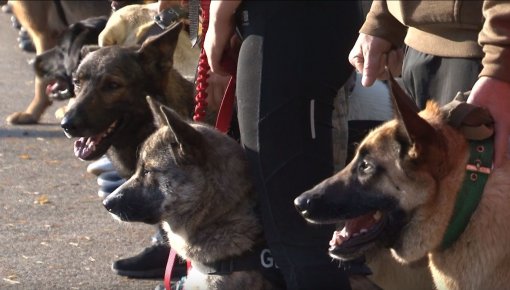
(195, 182)
(110, 113)
(45, 22)
(400, 192)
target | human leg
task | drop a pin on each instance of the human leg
(428, 77)
(287, 80)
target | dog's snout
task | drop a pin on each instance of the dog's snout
(111, 203)
(302, 203)
(69, 125)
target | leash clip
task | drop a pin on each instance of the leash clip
(169, 16)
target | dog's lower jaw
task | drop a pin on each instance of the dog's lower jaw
(407, 255)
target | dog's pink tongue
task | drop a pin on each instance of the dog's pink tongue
(52, 87)
(83, 147)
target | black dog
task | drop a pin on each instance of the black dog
(57, 64)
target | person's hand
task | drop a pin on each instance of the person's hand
(494, 95)
(371, 54)
(220, 32)
(217, 84)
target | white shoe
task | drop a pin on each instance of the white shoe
(99, 166)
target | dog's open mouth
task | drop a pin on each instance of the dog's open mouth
(93, 147)
(356, 234)
(59, 89)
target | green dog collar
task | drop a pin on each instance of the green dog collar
(478, 170)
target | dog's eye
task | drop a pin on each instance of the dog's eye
(146, 172)
(76, 83)
(365, 167)
(111, 86)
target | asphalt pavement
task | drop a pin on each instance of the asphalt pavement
(54, 231)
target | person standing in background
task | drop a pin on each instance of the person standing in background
(451, 46)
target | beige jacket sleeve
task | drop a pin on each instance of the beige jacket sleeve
(495, 39)
(379, 22)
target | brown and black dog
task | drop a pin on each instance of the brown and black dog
(401, 190)
(46, 21)
(110, 113)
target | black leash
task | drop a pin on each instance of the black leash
(60, 11)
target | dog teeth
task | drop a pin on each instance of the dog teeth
(112, 126)
(68, 135)
(363, 231)
(377, 216)
(338, 238)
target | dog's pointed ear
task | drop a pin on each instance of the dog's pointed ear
(155, 106)
(86, 49)
(418, 132)
(159, 50)
(189, 139)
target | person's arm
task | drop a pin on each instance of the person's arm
(492, 90)
(378, 44)
(220, 32)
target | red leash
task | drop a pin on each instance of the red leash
(169, 267)
(229, 62)
(203, 67)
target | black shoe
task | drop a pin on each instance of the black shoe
(25, 42)
(150, 263)
(15, 23)
(27, 46)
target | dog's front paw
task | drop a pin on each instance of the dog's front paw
(21, 118)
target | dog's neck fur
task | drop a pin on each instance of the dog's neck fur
(196, 236)
(123, 153)
(441, 204)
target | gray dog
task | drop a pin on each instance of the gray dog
(195, 181)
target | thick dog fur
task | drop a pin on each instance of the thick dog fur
(131, 25)
(110, 113)
(126, 25)
(194, 180)
(401, 188)
(43, 23)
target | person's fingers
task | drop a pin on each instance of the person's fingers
(214, 47)
(358, 63)
(372, 67)
(356, 57)
(383, 62)
(395, 62)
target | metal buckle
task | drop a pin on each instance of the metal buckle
(478, 168)
(168, 17)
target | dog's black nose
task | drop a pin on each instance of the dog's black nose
(68, 125)
(111, 203)
(302, 203)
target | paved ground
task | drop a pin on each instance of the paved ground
(54, 232)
